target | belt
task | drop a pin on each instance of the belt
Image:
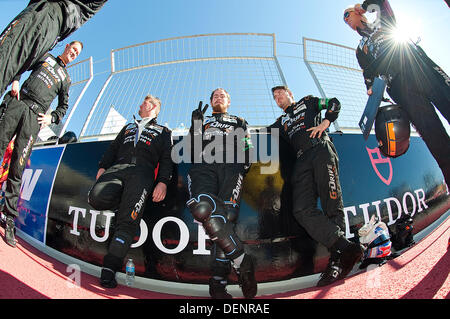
(127, 160)
(33, 105)
(312, 142)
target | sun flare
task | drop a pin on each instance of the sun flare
(407, 29)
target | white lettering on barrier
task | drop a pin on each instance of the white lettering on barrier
(184, 235)
(29, 181)
(405, 204)
(365, 210)
(77, 211)
(389, 207)
(350, 209)
(421, 200)
(377, 207)
(144, 234)
(417, 206)
(417, 202)
(202, 237)
(94, 214)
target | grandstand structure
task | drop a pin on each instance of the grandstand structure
(182, 71)
(336, 72)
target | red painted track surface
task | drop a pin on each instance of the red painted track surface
(422, 272)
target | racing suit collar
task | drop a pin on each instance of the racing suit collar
(289, 108)
(144, 120)
(364, 32)
(219, 114)
(60, 61)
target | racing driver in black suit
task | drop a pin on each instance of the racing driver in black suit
(316, 174)
(126, 178)
(36, 30)
(413, 80)
(23, 114)
(215, 182)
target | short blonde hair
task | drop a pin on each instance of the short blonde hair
(154, 100)
(349, 9)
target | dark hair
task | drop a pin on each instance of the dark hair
(279, 87)
(212, 93)
(76, 41)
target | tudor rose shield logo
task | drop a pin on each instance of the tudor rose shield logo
(378, 160)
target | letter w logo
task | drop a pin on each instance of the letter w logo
(29, 181)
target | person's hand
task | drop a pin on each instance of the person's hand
(99, 173)
(15, 89)
(319, 128)
(44, 120)
(369, 91)
(159, 193)
(199, 113)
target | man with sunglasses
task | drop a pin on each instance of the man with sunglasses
(126, 178)
(36, 30)
(413, 80)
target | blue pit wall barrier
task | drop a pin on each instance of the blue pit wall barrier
(172, 247)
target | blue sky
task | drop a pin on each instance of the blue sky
(126, 22)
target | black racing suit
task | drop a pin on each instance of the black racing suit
(414, 81)
(128, 181)
(36, 30)
(316, 170)
(216, 176)
(48, 79)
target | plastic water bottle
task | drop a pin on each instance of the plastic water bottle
(130, 270)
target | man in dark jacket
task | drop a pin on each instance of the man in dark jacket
(126, 178)
(36, 30)
(413, 80)
(316, 174)
(215, 185)
(24, 113)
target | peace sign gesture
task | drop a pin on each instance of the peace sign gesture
(198, 113)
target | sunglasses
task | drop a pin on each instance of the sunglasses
(346, 15)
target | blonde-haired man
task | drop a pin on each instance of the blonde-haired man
(126, 178)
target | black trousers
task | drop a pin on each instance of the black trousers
(224, 181)
(418, 92)
(316, 175)
(221, 179)
(29, 36)
(124, 188)
(16, 118)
